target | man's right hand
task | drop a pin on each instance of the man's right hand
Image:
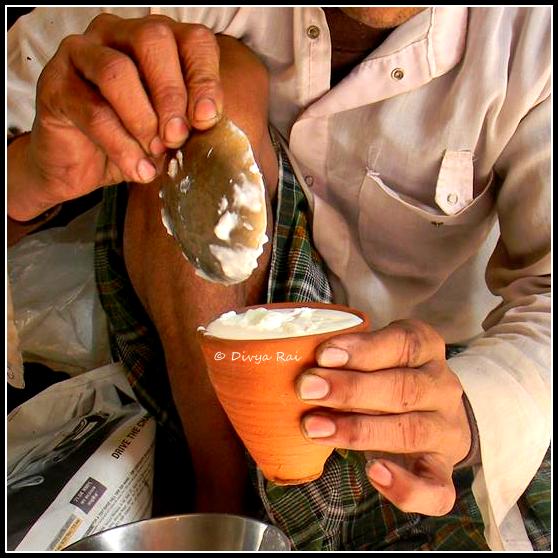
(109, 104)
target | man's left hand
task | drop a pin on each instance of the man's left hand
(391, 391)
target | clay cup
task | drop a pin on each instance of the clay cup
(255, 383)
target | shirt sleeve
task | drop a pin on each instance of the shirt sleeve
(506, 372)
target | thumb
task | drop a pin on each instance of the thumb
(429, 491)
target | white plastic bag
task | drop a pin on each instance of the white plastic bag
(58, 314)
(14, 364)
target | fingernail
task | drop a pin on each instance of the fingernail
(318, 427)
(311, 386)
(157, 147)
(176, 130)
(146, 170)
(380, 474)
(332, 356)
(205, 110)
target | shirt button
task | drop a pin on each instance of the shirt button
(452, 199)
(313, 32)
(397, 73)
(309, 180)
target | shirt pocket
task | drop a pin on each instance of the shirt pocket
(401, 237)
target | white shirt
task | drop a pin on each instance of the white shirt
(428, 168)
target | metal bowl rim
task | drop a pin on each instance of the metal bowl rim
(173, 519)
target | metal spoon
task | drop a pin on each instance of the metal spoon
(214, 203)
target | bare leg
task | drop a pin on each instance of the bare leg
(178, 301)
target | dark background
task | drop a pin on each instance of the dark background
(12, 14)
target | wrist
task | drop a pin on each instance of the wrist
(26, 200)
(473, 456)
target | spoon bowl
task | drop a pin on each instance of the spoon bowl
(214, 203)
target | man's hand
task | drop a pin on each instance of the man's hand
(109, 103)
(392, 391)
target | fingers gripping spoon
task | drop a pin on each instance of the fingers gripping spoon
(214, 203)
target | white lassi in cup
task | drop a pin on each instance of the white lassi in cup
(280, 323)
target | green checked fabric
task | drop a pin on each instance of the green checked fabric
(297, 271)
(134, 340)
(340, 510)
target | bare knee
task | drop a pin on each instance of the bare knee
(245, 80)
(155, 264)
(246, 86)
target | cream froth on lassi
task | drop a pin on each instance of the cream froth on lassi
(261, 323)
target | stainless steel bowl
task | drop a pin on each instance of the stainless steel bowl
(205, 531)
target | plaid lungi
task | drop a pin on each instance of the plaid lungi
(340, 510)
